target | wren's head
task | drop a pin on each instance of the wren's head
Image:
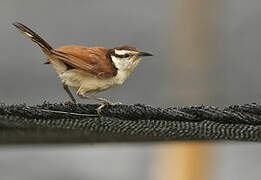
(126, 57)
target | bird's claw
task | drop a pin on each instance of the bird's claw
(99, 109)
(69, 102)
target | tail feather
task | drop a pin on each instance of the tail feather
(34, 37)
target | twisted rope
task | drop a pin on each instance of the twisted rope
(54, 123)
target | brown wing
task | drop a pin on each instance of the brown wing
(93, 60)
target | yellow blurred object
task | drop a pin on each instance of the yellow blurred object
(184, 161)
(193, 50)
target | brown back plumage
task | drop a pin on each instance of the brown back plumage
(95, 61)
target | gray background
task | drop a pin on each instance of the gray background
(144, 24)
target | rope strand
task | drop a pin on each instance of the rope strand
(122, 123)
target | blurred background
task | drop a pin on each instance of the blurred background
(205, 52)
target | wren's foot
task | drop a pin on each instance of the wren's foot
(100, 108)
(103, 106)
(69, 102)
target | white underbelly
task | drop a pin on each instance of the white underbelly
(58, 66)
(76, 80)
(79, 79)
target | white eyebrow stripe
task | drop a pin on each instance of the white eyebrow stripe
(121, 52)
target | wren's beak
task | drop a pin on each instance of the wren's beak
(144, 54)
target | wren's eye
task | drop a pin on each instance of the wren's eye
(127, 55)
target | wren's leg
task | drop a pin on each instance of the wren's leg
(66, 88)
(103, 100)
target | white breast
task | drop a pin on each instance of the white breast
(125, 67)
(121, 77)
(79, 80)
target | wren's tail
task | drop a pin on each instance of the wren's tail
(34, 37)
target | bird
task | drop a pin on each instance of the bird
(88, 70)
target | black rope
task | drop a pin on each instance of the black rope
(60, 123)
